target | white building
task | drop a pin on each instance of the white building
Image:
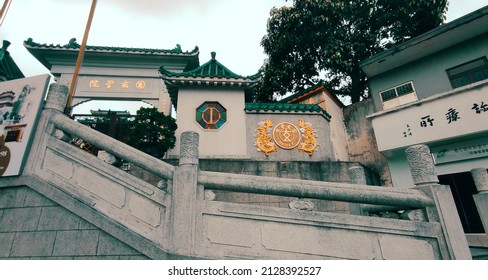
(433, 89)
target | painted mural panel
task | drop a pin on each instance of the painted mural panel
(20, 103)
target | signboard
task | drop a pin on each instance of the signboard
(476, 148)
(20, 104)
(438, 118)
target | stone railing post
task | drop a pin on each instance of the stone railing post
(56, 97)
(56, 101)
(444, 211)
(421, 165)
(480, 177)
(184, 195)
(357, 175)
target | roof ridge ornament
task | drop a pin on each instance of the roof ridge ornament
(5, 44)
(213, 54)
(72, 43)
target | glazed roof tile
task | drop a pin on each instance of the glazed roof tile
(212, 73)
(211, 69)
(8, 67)
(285, 107)
(73, 45)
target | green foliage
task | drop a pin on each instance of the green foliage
(316, 38)
(153, 132)
(14, 114)
(113, 125)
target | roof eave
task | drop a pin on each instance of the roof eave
(442, 37)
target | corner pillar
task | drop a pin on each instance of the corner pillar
(56, 97)
(444, 210)
(421, 165)
(357, 175)
(184, 196)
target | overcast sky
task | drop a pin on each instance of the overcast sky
(231, 28)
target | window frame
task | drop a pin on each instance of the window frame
(467, 73)
(396, 91)
(215, 124)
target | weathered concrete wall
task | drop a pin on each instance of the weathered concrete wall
(362, 142)
(34, 227)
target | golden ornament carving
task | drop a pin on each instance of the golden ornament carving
(263, 139)
(286, 135)
(309, 142)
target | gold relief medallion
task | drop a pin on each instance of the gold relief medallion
(286, 135)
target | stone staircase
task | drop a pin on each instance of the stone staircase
(179, 218)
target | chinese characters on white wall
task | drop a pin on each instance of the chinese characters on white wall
(451, 115)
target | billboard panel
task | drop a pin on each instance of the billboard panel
(20, 106)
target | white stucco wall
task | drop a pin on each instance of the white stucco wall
(229, 141)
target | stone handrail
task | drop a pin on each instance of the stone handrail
(180, 221)
(408, 198)
(112, 146)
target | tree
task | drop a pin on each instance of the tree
(315, 40)
(153, 132)
(112, 124)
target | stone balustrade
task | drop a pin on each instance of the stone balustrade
(183, 220)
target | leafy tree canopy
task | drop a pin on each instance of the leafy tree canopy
(153, 132)
(314, 40)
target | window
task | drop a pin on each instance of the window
(468, 73)
(211, 115)
(397, 91)
(398, 95)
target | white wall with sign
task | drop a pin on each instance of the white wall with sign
(20, 104)
(442, 117)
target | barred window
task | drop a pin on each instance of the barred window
(397, 91)
(468, 73)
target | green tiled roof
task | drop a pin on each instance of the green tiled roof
(212, 73)
(73, 45)
(285, 107)
(8, 67)
(211, 69)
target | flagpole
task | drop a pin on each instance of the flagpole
(79, 60)
(3, 12)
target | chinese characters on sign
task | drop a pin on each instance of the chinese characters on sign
(452, 115)
(407, 132)
(455, 152)
(426, 121)
(140, 84)
(480, 108)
